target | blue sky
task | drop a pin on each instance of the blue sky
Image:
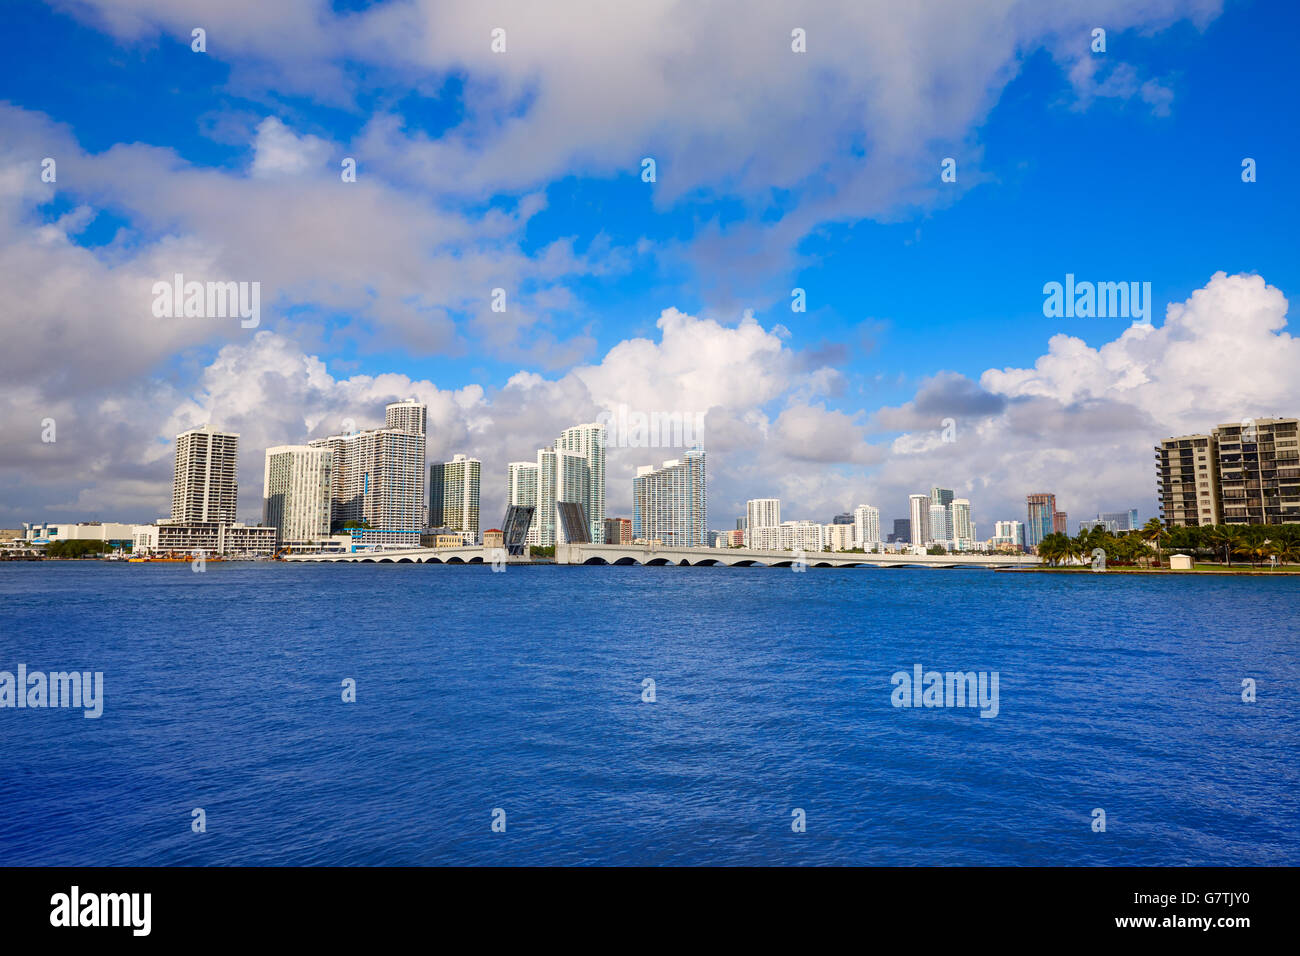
(1131, 172)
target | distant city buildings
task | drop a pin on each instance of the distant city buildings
(1116, 522)
(572, 471)
(1007, 536)
(618, 531)
(1041, 516)
(1060, 522)
(1245, 472)
(919, 522)
(866, 526)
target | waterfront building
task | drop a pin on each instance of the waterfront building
(940, 533)
(114, 534)
(209, 537)
(1041, 512)
(296, 494)
(1259, 471)
(866, 526)
(801, 536)
(588, 441)
(838, 536)
(671, 503)
(205, 483)
(459, 481)
(962, 530)
(378, 478)
(761, 513)
(919, 522)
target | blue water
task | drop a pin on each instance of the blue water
(522, 691)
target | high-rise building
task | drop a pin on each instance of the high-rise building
(1187, 480)
(521, 482)
(845, 518)
(1042, 513)
(762, 513)
(866, 527)
(378, 479)
(457, 509)
(941, 496)
(296, 493)
(962, 531)
(558, 476)
(589, 442)
(919, 522)
(902, 530)
(1259, 471)
(1060, 522)
(939, 530)
(205, 485)
(407, 416)
(671, 503)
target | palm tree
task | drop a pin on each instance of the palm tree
(1155, 531)
(1222, 537)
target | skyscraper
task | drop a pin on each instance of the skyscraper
(763, 523)
(941, 496)
(671, 503)
(408, 416)
(1042, 512)
(560, 476)
(521, 481)
(589, 442)
(919, 523)
(296, 493)
(378, 478)
(457, 507)
(205, 485)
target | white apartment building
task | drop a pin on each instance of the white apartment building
(919, 509)
(962, 531)
(588, 441)
(761, 513)
(939, 530)
(670, 504)
(840, 537)
(297, 486)
(866, 527)
(460, 495)
(378, 478)
(560, 476)
(802, 536)
(205, 484)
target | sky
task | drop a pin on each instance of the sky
(922, 355)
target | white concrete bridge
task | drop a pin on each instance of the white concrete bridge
(649, 554)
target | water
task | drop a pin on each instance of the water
(522, 691)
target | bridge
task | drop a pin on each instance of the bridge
(653, 554)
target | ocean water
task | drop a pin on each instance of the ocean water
(522, 691)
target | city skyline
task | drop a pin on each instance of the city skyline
(515, 291)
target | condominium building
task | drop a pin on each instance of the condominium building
(1042, 513)
(671, 503)
(378, 478)
(1187, 480)
(457, 484)
(866, 526)
(1259, 471)
(588, 441)
(1010, 534)
(618, 531)
(205, 485)
(939, 530)
(919, 522)
(560, 476)
(762, 513)
(206, 537)
(1060, 522)
(807, 536)
(962, 531)
(297, 484)
(840, 536)
(941, 496)
(407, 416)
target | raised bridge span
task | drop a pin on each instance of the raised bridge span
(650, 554)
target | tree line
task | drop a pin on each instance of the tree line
(1253, 543)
